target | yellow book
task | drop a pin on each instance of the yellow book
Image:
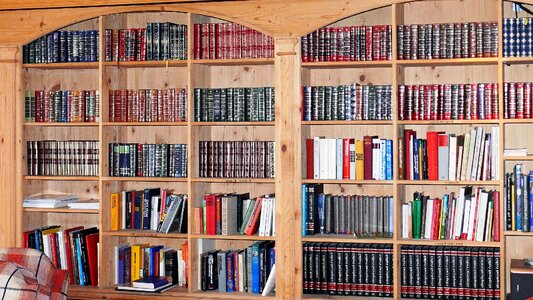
(50, 230)
(115, 211)
(359, 160)
(137, 254)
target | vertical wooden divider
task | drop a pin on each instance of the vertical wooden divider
(288, 167)
(191, 255)
(103, 90)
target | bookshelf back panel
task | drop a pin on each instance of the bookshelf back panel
(421, 130)
(518, 73)
(354, 189)
(378, 16)
(508, 11)
(346, 131)
(526, 166)
(345, 76)
(423, 12)
(201, 188)
(449, 74)
(156, 78)
(34, 220)
(241, 76)
(514, 137)
(84, 189)
(38, 79)
(139, 20)
(513, 251)
(91, 24)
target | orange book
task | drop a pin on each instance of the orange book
(115, 211)
(253, 221)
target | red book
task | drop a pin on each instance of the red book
(345, 159)
(367, 150)
(236, 273)
(310, 158)
(68, 247)
(53, 245)
(253, 221)
(210, 214)
(407, 161)
(155, 260)
(204, 54)
(197, 40)
(92, 255)
(132, 210)
(435, 225)
(433, 154)
(25, 239)
(496, 218)
(218, 207)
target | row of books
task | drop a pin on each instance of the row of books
(63, 46)
(448, 101)
(441, 156)
(518, 196)
(517, 100)
(236, 159)
(348, 43)
(230, 214)
(149, 209)
(346, 158)
(158, 41)
(448, 40)
(238, 270)
(517, 37)
(62, 106)
(74, 249)
(150, 105)
(153, 266)
(358, 215)
(234, 104)
(347, 102)
(62, 158)
(230, 41)
(148, 160)
(437, 272)
(348, 269)
(473, 215)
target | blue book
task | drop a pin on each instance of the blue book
(388, 164)
(529, 38)
(147, 206)
(519, 200)
(530, 198)
(37, 233)
(137, 212)
(64, 110)
(154, 251)
(505, 37)
(416, 161)
(151, 282)
(80, 261)
(521, 37)
(321, 212)
(230, 273)
(256, 272)
(304, 211)
(272, 257)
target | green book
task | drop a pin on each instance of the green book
(247, 215)
(417, 209)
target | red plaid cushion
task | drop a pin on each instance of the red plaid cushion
(25, 271)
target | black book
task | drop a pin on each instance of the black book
(454, 272)
(354, 277)
(203, 271)
(84, 255)
(447, 272)
(475, 283)
(305, 267)
(332, 268)
(240, 200)
(482, 279)
(380, 249)
(324, 268)
(346, 269)
(361, 270)
(171, 265)
(418, 272)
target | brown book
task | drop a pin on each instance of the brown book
(367, 144)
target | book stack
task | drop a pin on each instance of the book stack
(448, 40)
(518, 196)
(230, 41)
(74, 249)
(62, 158)
(348, 43)
(239, 270)
(158, 41)
(62, 106)
(149, 209)
(348, 269)
(49, 200)
(155, 265)
(148, 160)
(437, 272)
(234, 104)
(448, 101)
(358, 215)
(347, 102)
(441, 156)
(347, 158)
(517, 34)
(517, 100)
(229, 214)
(236, 159)
(474, 216)
(168, 105)
(63, 46)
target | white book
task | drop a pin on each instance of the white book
(458, 218)
(273, 217)
(513, 152)
(62, 250)
(262, 218)
(323, 152)
(452, 157)
(332, 159)
(376, 158)
(154, 217)
(47, 249)
(473, 215)
(271, 282)
(268, 230)
(181, 278)
(406, 212)
(339, 157)
(123, 208)
(116, 263)
(459, 162)
(316, 155)
(241, 271)
(471, 150)
(383, 159)
(481, 216)
(352, 159)
(429, 219)
(477, 149)
(466, 217)
(495, 155)
(464, 163)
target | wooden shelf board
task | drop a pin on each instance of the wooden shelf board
(340, 297)
(447, 182)
(346, 181)
(145, 179)
(62, 178)
(145, 123)
(518, 121)
(517, 233)
(344, 238)
(233, 180)
(69, 65)
(61, 210)
(348, 64)
(221, 295)
(449, 243)
(61, 124)
(348, 122)
(236, 237)
(519, 158)
(446, 122)
(449, 62)
(144, 233)
(234, 62)
(517, 60)
(266, 123)
(90, 292)
(146, 64)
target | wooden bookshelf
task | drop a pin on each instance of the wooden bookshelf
(287, 74)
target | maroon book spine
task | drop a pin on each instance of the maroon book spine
(197, 41)
(122, 45)
(310, 158)
(218, 39)
(142, 43)
(367, 153)
(212, 40)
